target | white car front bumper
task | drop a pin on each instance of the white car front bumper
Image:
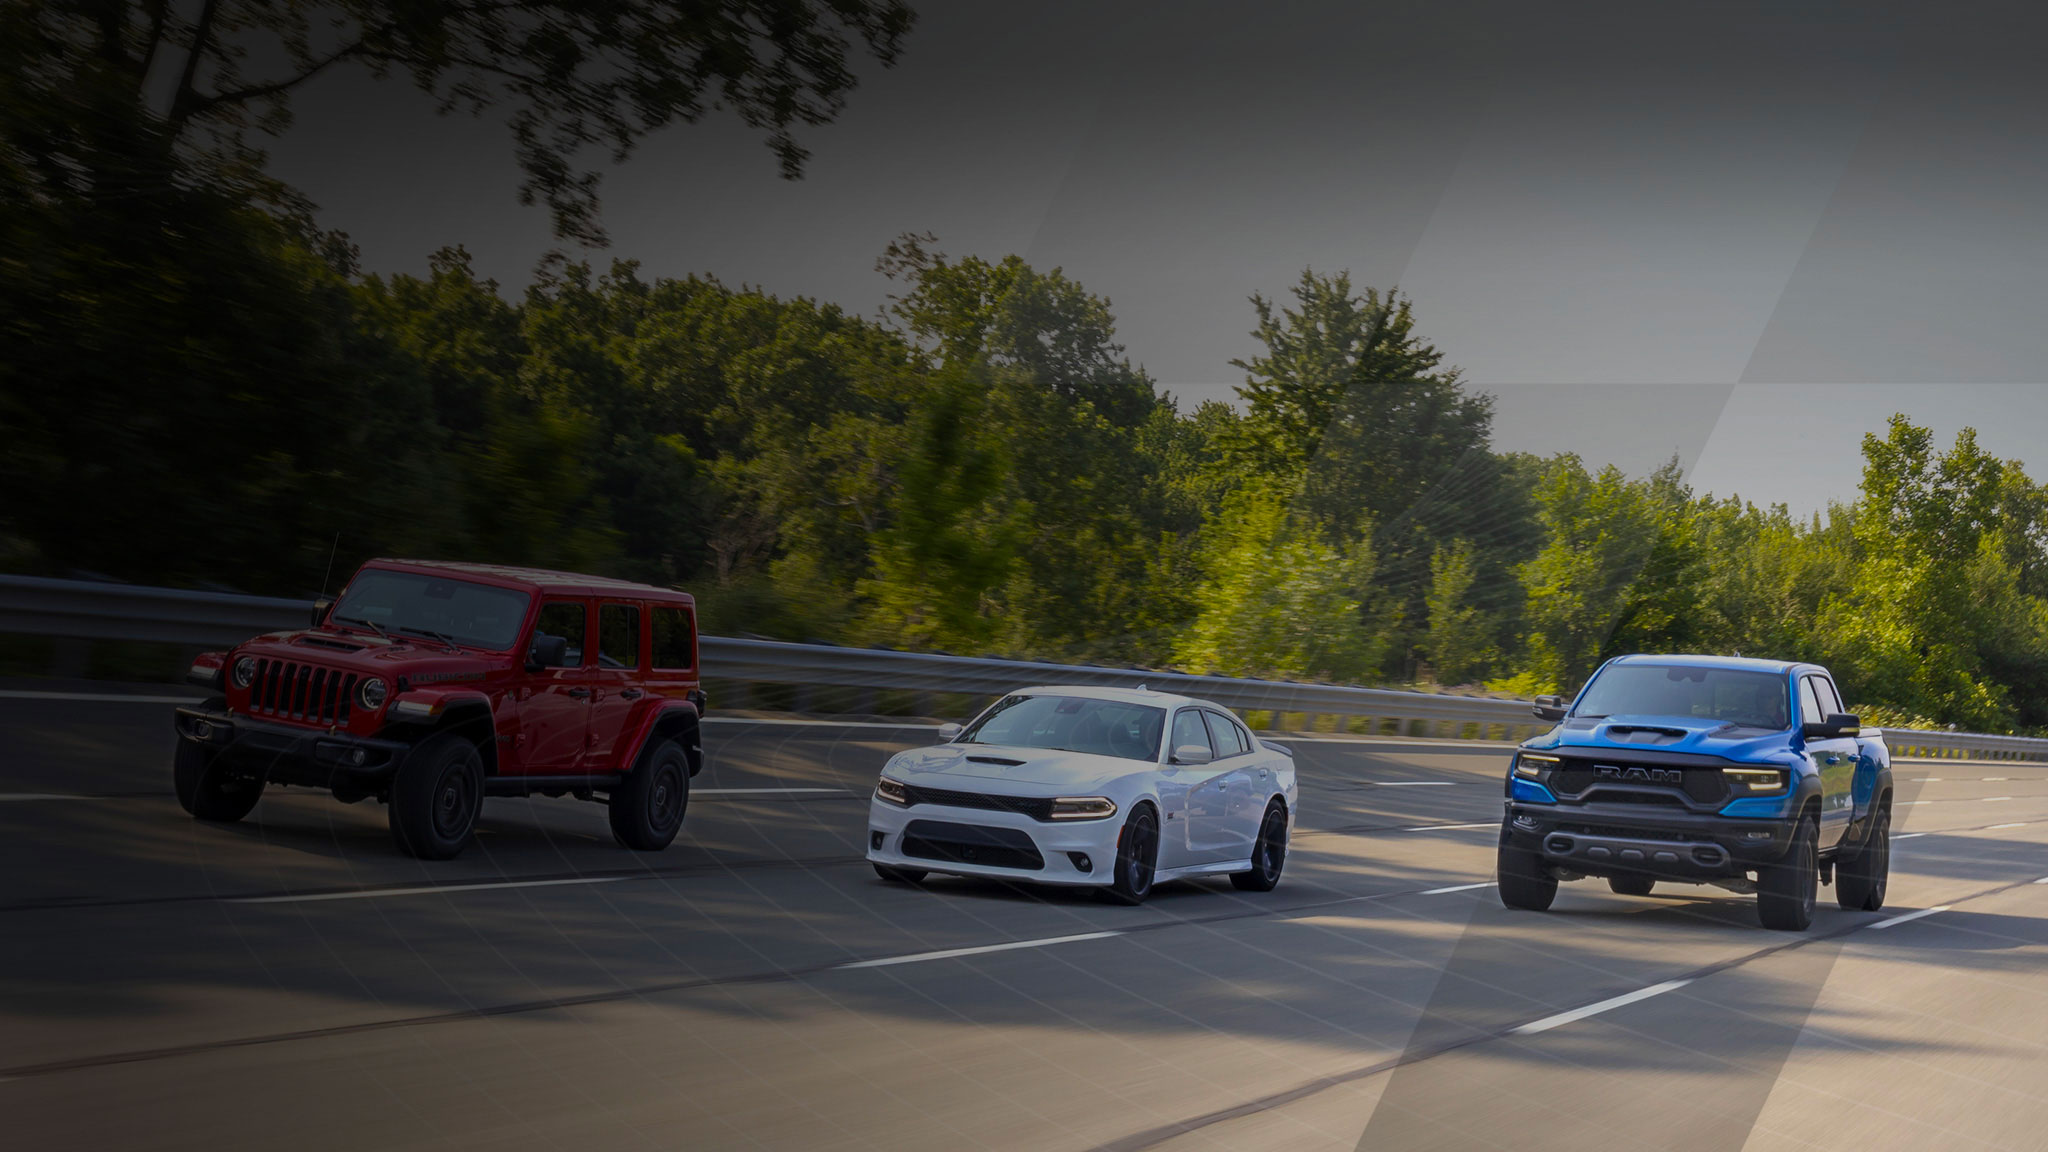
(951, 839)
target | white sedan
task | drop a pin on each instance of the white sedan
(1115, 788)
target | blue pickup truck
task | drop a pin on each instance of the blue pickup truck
(1746, 774)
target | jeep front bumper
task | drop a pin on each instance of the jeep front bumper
(283, 754)
(1611, 839)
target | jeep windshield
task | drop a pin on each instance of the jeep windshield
(432, 607)
(1733, 696)
(1071, 724)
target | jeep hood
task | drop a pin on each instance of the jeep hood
(1684, 734)
(365, 653)
(1010, 771)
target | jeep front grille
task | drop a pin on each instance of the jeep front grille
(306, 693)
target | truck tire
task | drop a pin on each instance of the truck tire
(1860, 883)
(1525, 881)
(647, 807)
(1785, 891)
(1632, 885)
(436, 798)
(206, 790)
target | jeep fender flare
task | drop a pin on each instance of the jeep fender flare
(467, 714)
(676, 720)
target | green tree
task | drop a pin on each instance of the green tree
(1459, 633)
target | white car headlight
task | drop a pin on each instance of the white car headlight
(1083, 808)
(893, 792)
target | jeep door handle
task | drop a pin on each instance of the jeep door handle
(630, 693)
(580, 693)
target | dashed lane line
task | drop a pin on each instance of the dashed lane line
(380, 893)
(1416, 783)
(1456, 888)
(1911, 916)
(1562, 1018)
(1451, 827)
(954, 953)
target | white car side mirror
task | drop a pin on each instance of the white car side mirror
(1192, 754)
(947, 732)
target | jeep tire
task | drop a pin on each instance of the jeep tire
(207, 790)
(1525, 881)
(648, 805)
(1785, 891)
(1860, 882)
(436, 798)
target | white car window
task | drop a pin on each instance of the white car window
(1189, 729)
(1225, 737)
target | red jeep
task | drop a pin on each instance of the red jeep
(431, 686)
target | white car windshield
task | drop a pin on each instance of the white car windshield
(1731, 695)
(409, 604)
(1071, 724)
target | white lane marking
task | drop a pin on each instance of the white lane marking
(1992, 799)
(47, 796)
(1456, 888)
(1436, 827)
(1911, 916)
(1996, 827)
(1996, 779)
(950, 953)
(1910, 835)
(1416, 783)
(2042, 880)
(1918, 802)
(99, 697)
(1926, 780)
(818, 723)
(1549, 1022)
(757, 791)
(378, 893)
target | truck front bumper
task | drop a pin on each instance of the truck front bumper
(1622, 839)
(283, 754)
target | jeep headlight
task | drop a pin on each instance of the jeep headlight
(1083, 808)
(1530, 764)
(893, 792)
(1755, 780)
(245, 671)
(372, 693)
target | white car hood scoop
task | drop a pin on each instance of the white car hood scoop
(1028, 770)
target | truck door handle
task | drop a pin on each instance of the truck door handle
(630, 693)
(580, 693)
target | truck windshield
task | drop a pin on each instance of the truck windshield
(407, 603)
(1071, 724)
(1730, 695)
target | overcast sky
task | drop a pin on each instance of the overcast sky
(1742, 233)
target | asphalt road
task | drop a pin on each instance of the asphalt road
(291, 982)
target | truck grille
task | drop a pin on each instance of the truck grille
(306, 693)
(1581, 779)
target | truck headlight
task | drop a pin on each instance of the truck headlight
(1530, 764)
(372, 693)
(245, 671)
(1755, 780)
(893, 792)
(1083, 808)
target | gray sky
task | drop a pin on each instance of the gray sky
(1742, 233)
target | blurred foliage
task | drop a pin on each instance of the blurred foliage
(199, 388)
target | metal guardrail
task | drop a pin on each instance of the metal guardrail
(89, 610)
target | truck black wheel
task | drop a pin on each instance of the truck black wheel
(207, 790)
(1525, 881)
(900, 875)
(648, 805)
(1860, 883)
(1269, 853)
(1631, 885)
(1137, 857)
(436, 798)
(1785, 891)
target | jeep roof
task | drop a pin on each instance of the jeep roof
(537, 579)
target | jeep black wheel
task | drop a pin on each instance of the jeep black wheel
(1137, 856)
(1525, 881)
(1631, 885)
(1785, 891)
(1860, 883)
(648, 805)
(896, 875)
(1269, 853)
(205, 787)
(436, 798)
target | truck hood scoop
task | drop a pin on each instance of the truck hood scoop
(1645, 734)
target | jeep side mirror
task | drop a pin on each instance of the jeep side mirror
(1192, 754)
(948, 732)
(547, 652)
(321, 608)
(1838, 724)
(1549, 708)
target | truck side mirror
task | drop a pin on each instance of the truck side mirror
(1838, 724)
(547, 652)
(1549, 708)
(321, 608)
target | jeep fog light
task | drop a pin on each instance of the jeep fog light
(372, 693)
(245, 671)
